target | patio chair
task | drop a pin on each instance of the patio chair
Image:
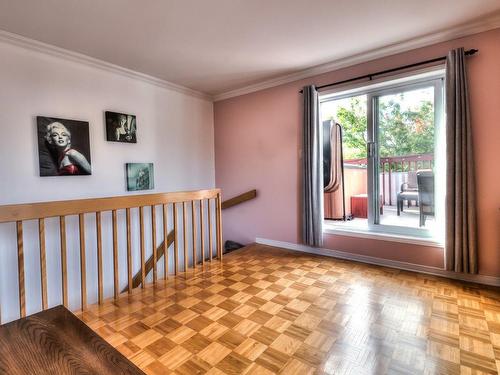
(425, 182)
(408, 192)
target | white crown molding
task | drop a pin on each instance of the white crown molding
(485, 24)
(480, 279)
(63, 53)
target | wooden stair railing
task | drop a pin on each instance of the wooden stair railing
(61, 209)
(239, 199)
(136, 281)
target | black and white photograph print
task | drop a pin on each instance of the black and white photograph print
(140, 176)
(63, 147)
(120, 127)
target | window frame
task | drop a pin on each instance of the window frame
(431, 77)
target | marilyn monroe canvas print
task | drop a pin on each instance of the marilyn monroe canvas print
(63, 147)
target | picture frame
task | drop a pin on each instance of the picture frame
(139, 176)
(63, 147)
(120, 127)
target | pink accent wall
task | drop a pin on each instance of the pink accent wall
(257, 145)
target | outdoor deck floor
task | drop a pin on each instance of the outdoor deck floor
(409, 217)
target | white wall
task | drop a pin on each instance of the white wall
(175, 132)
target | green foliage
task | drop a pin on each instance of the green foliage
(406, 131)
(353, 121)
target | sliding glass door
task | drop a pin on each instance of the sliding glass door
(405, 150)
(393, 158)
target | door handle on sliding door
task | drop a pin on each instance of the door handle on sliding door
(370, 149)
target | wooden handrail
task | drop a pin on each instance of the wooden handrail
(136, 281)
(30, 211)
(239, 199)
(177, 201)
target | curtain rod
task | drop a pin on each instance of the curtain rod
(370, 76)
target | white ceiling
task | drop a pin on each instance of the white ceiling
(214, 46)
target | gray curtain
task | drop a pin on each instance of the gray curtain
(461, 236)
(312, 171)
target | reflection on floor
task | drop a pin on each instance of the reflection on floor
(267, 310)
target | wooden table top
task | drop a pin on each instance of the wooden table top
(55, 341)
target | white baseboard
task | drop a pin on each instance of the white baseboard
(480, 279)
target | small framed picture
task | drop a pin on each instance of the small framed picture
(63, 147)
(140, 176)
(121, 127)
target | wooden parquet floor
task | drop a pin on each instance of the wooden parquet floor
(265, 310)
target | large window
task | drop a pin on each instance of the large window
(392, 156)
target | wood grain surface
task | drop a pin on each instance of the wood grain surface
(29, 211)
(57, 342)
(239, 199)
(264, 310)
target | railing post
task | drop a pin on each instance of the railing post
(202, 233)
(184, 236)
(100, 296)
(390, 184)
(43, 262)
(176, 240)
(64, 264)
(129, 251)
(219, 225)
(20, 269)
(383, 182)
(153, 240)
(193, 225)
(83, 265)
(142, 250)
(210, 235)
(116, 281)
(165, 240)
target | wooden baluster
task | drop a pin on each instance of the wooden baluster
(20, 269)
(176, 242)
(202, 233)
(165, 239)
(193, 224)
(99, 257)
(184, 235)
(219, 225)
(43, 262)
(216, 207)
(129, 251)
(153, 237)
(83, 274)
(116, 281)
(210, 248)
(217, 242)
(64, 263)
(143, 265)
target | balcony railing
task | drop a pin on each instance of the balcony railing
(392, 164)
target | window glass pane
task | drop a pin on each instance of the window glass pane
(406, 139)
(350, 199)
